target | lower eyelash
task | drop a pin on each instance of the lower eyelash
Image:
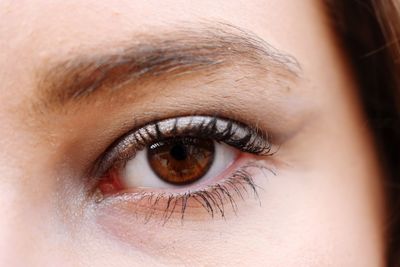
(214, 199)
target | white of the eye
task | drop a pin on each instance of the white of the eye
(138, 173)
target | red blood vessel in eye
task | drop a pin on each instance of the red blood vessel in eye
(111, 183)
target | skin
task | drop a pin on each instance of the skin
(324, 206)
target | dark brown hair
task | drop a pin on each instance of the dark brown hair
(370, 32)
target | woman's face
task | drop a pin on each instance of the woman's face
(201, 133)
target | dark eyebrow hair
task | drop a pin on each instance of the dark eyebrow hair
(182, 51)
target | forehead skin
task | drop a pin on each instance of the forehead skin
(323, 228)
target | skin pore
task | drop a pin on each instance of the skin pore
(77, 76)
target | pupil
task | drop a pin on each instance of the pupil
(179, 152)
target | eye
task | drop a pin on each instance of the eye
(188, 158)
(176, 162)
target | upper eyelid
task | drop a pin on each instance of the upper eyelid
(140, 137)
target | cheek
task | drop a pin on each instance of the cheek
(306, 218)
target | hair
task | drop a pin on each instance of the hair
(369, 30)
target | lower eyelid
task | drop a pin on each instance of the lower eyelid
(189, 203)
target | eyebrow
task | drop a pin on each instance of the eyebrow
(153, 57)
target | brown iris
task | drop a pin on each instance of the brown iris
(181, 160)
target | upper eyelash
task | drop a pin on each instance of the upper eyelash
(245, 138)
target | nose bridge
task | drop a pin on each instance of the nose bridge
(26, 193)
(32, 231)
(21, 227)
(24, 215)
(26, 188)
(16, 227)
